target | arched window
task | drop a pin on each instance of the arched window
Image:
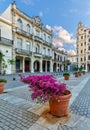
(37, 49)
(44, 36)
(28, 46)
(28, 28)
(19, 23)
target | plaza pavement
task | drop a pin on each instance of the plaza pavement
(19, 112)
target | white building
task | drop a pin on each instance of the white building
(6, 44)
(83, 46)
(32, 43)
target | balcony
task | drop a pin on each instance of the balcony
(22, 51)
(6, 41)
(57, 60)
(47, 43)
(24, 33)
(88, 51)
(37, 38)
(37, 54)
(47, 56)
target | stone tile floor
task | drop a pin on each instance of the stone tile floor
(19, 112)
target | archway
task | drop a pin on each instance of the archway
(36, 66)
(1, 58)
(44, 65)
(54, 67)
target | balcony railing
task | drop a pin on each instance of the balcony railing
(47, 56)
(47, 43)
(37, 54)
(37, 38)
(6, 41)
(22, 32)
(23, 51)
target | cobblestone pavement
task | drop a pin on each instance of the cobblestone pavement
(82, 103)
(13, 118)
(19, 112)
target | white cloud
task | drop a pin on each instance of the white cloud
(40, 14)
(27, 2)
(57, 42)
(63, 35)
(71, 52)
(48, 27)
(61, 49)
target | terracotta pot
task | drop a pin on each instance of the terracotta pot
(2, 87)
(76, 75)
(66, 77)
(60, 107)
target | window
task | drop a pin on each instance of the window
(84, 58)
(19, 23)
(44, 50)
(28, 46)
(89, 32)
(89, 48)
(49, 52)
(58, 57)
(84, 50)
(81, 59)
(19, 43)
(84, 30)
(49, 39)
(28, 28)
(89, 57)
(37, 49)
(84, 43)
(89, 40)
(77, 59)
(81, 37)
(37, 33)
(81, 51)
(44, 36)
(81, 44)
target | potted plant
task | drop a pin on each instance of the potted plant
(2, 84)
(76, 74)
(46, 88)
(66, 75)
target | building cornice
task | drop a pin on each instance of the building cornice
(5, 21)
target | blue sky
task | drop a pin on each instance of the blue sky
(62, 16)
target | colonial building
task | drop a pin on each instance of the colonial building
(59, 60)
(6, 45)
(73, 62)
(83, 46)
(29, 43)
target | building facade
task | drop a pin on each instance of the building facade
(6, 45)
(83, 46)
(59, 60)
(31, 43)
(73, 62)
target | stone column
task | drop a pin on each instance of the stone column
(23, 64)
(51, 66)
(40, 65)
(32, 65)
(46, 66)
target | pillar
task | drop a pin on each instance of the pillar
(23, 64)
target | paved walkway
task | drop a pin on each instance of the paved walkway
(19, 112)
